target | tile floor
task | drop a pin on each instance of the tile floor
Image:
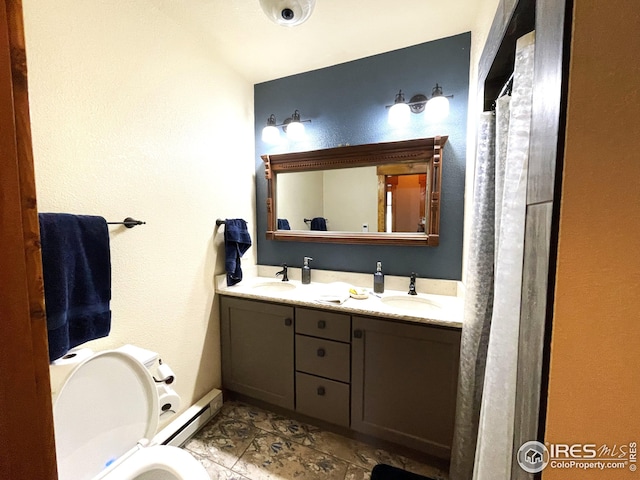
(245, 442)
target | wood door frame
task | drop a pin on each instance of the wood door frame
(417, 168)
(27, 448)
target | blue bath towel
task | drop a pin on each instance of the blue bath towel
(236, 242)
(319, 223)
(76, 264)
(283, 224)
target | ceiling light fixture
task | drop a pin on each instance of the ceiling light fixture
(288, 13)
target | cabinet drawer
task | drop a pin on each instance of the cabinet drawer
(331, 325)
(325, 358)
(321, 398)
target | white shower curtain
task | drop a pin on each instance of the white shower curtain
(483, 447)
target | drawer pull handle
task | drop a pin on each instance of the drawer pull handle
(288, 322)
(321, 352)
(321, 391)
(322, 324)
(357, 334)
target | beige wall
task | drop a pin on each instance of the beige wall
(300, 197)
(594, 387)
(351, 199)
(132, 116)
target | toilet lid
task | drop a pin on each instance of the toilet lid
(107, 404)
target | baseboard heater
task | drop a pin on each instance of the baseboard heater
(193, 419)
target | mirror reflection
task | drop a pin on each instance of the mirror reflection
(387, 193)
(362, 199)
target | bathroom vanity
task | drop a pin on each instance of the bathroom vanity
(385, 372)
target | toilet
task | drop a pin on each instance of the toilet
(105, 413)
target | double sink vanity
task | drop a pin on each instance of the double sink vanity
(385, 365)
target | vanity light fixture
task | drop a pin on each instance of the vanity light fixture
(436, 107)
(270, 133)
(292, 126)
(399, 111)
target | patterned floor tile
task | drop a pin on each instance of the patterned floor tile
(357, 473)
(422, 469)
(256, 444)
(353, 451)
(216, 471)
(273, 457)
(223, 441)
(299, 432)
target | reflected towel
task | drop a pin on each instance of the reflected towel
(319, 223)
(76, 264)
(236, 242)
(283, 224)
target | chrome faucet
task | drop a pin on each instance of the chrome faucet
(412, 284)
(283, 272)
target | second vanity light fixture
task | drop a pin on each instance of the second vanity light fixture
(436, 107)
(292, 126)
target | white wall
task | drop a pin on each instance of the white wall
(133, 116)
(351, 199)
(299, 197)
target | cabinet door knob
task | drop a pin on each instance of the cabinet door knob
(357, 334)
(288, 322)
(322, 324)
(321, 391)
(321, 352)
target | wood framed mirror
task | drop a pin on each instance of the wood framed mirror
(380, 193)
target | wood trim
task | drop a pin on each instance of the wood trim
(408, 152)
(27, 448)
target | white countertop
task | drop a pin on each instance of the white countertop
(445, 310)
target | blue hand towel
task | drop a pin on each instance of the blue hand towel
(283, 224)
(318, 223)
(76, 264)
(236, 242)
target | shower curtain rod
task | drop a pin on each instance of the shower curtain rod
(508, 85)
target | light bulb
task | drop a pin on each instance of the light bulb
(437, 108)
(399, 114)
(270, 134)
(295, 131)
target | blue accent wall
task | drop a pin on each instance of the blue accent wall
(346, 106)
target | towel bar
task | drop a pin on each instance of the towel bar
(221, 222)
(128, 222)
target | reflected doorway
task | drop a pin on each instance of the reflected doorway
(402, 198)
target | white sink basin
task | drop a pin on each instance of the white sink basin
(273, 287)
(409, 302)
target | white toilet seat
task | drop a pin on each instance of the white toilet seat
(104, 414)
(159, 462)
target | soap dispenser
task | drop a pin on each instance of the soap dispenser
(378, 279)
(306, 271)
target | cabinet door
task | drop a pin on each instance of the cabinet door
(257, 350)
(404, 383)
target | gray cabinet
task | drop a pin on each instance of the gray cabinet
(323, 364)
(257, 350)
(389, 379)
(404, 383)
